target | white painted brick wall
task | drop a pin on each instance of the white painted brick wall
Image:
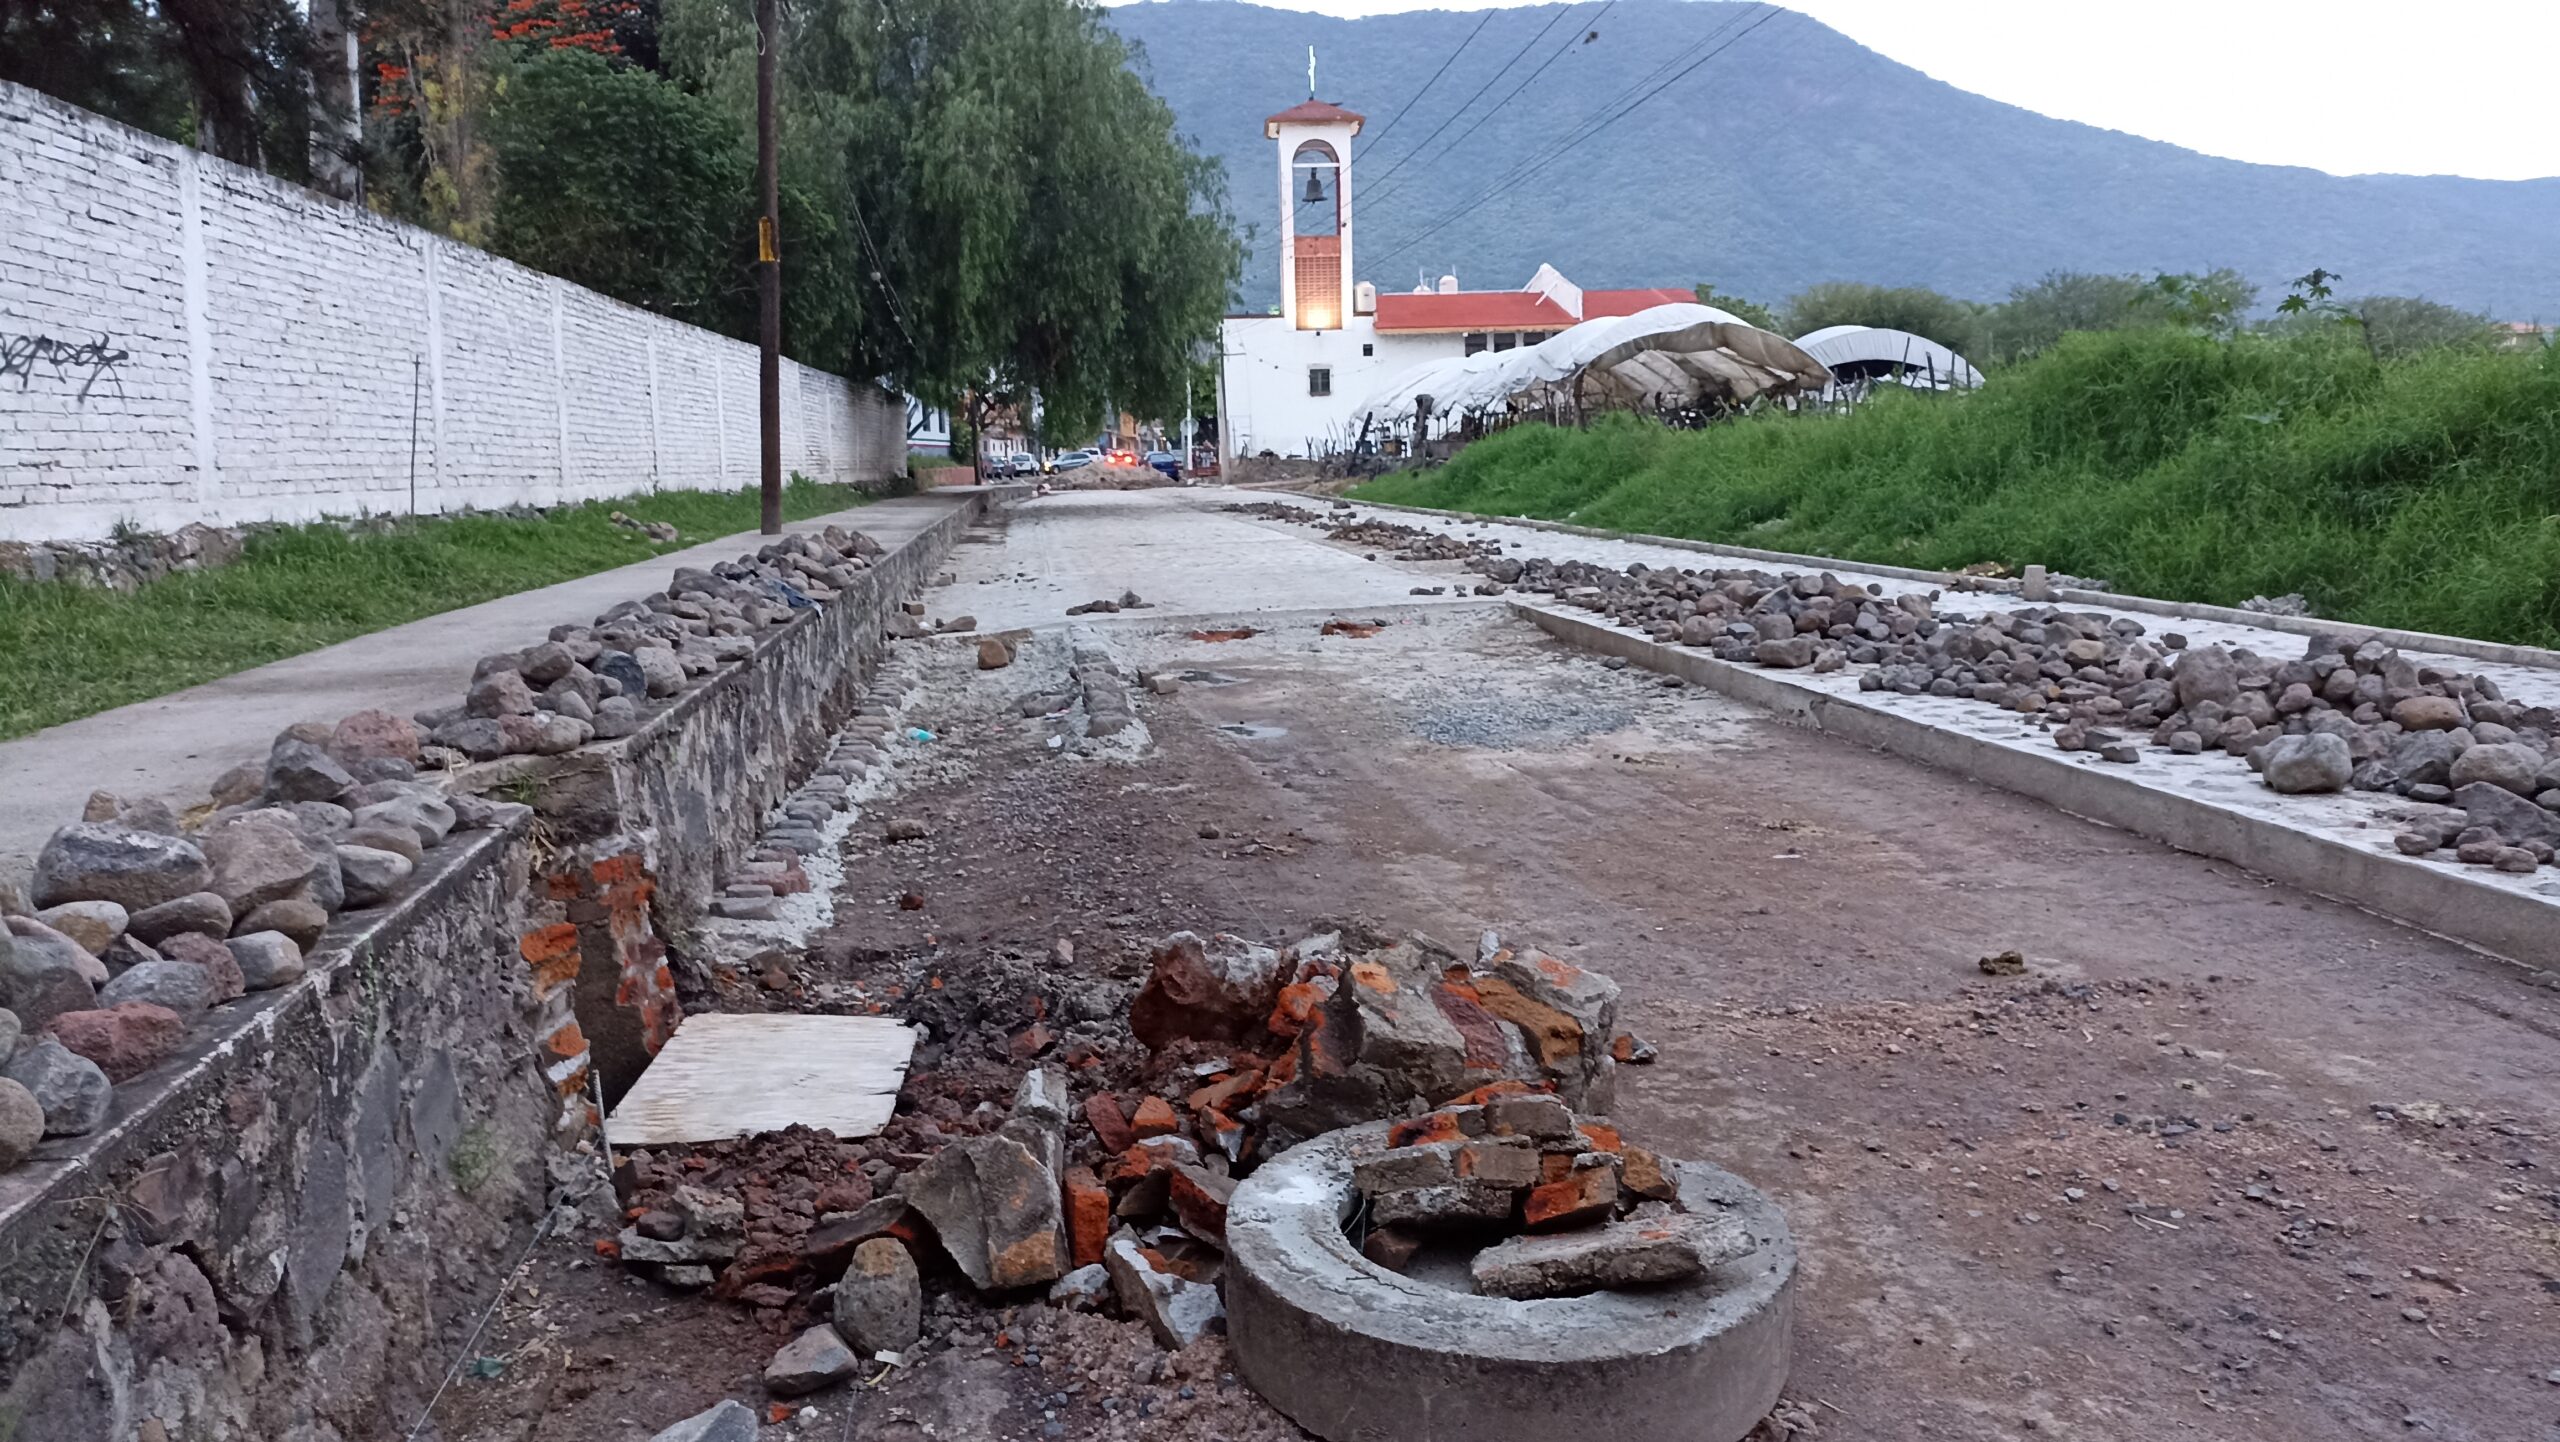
(276, 343)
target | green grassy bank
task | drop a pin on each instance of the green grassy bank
(68, 651)
(2422, 493)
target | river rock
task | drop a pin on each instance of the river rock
(104, 861)
(2206, 674)
(2513, 818)
(221, 965)
(816, 1358)
(731, 1421)
(499, 693)
(8, 1034)
(124, 1041)
(879, 1306)
(27, 932)
(418, 809)
(298, 770)
(261, 856)
(661, 674)
(371, 876)
(180, 986)
(21, 1123)
(41, 978)
(2428, 713)
(92, 924)
(267, 959)
(545, 663)
(2297, 765)
(2511, 766)
(301, 920)
(400, 841)
(73, 1094)
(372, 735)
(202, 912)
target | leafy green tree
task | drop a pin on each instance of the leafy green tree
(1750, 312)
(2209, 304)
(110, 56)
(2035, 316)
(611, 178)
(999, 206)
(1950, 322)
(2401, 325)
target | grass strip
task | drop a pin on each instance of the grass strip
(71, 651)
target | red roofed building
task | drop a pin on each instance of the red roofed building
(1290, 379)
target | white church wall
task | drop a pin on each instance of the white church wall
(1267, 407)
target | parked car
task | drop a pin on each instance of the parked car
(1169, 462)
(1020, 463)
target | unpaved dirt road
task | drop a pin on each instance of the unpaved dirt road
(2224, 1162)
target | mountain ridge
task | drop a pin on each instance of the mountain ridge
(1794, 156)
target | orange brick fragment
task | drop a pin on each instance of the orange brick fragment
(1297, 1002)
(1587, 1195)
(1088, 1207)
(1601, 1137)
(1429, 1127)
(1155, 1118)
(1490, 1090)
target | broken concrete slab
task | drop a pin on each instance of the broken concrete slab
(1629, 1253)
(1179, 1312)
(995, 1209)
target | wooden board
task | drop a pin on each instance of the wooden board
(729, 1074)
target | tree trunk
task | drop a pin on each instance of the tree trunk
(337, 101)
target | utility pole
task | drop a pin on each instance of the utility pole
(769, 262)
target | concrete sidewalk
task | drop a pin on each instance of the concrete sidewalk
(173, 746)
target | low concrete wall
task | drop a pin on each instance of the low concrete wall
(2318, 852)
(274, 1232)
(646, 825)
(263, 1240)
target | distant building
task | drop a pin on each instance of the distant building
(1289, 380)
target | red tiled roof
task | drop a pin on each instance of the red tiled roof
(1311, 112)
(1511, 309)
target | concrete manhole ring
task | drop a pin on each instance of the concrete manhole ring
(1355, 1353)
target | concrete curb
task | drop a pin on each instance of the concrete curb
(2448, 900)
(2498, 651)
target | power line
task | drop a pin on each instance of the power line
(1513, 93)
(1560, 151)
(1416, 98)
(1480, 90)
(1586, 124)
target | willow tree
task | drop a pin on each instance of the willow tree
(983, 202)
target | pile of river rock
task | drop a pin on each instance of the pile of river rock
(593, 682)
(141, 922)
(2484, 771)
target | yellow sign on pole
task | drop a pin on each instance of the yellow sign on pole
(766, 251)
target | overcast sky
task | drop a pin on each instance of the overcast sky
(2460, 87)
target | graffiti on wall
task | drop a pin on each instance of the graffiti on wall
(27, 358)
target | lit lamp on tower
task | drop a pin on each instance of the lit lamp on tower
(1314, 144)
